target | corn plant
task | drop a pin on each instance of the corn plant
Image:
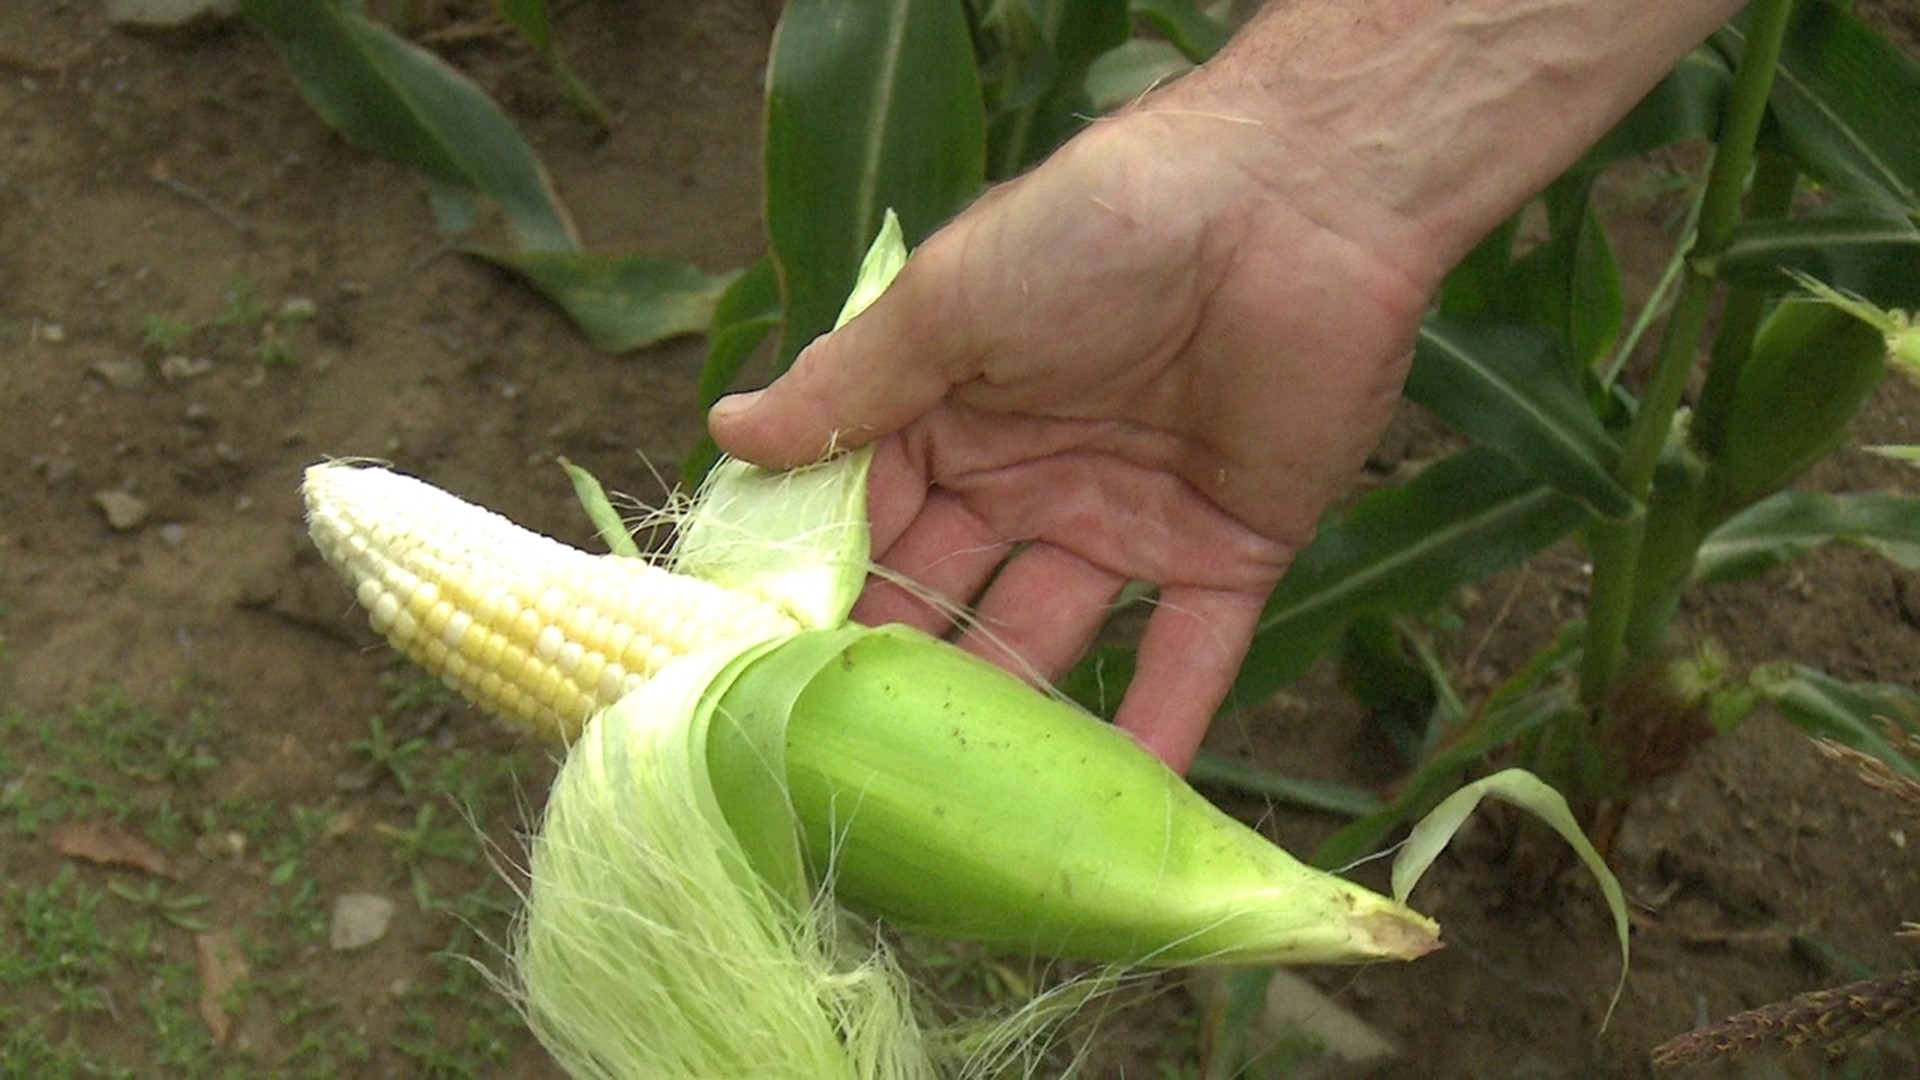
(1813, 173)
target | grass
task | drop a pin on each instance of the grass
(245, 327)
(99, 956)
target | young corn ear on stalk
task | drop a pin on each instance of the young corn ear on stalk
(745, 756)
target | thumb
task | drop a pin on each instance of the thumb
(867, 379)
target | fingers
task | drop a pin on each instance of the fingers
(856, 384)
(1187, 660)
(1042, 612)
(946, 555)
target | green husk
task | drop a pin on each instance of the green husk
(652, 946)
(1027, 824)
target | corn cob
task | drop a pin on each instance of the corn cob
(535, 632)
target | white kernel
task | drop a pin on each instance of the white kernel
(568, 659)
(587, 673)
(548, 645)
(615, 641)
(369, 593)
(457, 625)
(496, 607)
(552, 604)
(404, 627)
(383, 611)
(613, 683)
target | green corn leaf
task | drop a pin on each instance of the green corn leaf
(1686, 104)
(747, 312)
(1073, 33)
(1523, 789)
(529, 17)
(1210, 769)
(1584, 301)
(1811, 367)
(1124, 73)
(1845, 98)
(1474, 285)
(622, 302)
(1568, 284)
(1402, 551)
(1875, 256)
(1857, 715)
(1506, 386)
(403, 103)
(1193, 31)
(1517, 715)
(1782, 527)
(869, 106)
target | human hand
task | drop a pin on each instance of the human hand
(1138, 362)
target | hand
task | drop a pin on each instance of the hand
(1138, 362)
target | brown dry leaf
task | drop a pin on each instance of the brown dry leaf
(108, 845)
(221, 969)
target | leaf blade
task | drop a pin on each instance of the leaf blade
(1784, 526)
(1503, 385)
(623, 302)
(1875, 256)
(406, 105)
(853, 91)
(1402, 551)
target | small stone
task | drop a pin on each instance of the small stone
(298, 309)
(124, 373)
(359, 920)
(173, 533)
(125, 511)
(174, 368)
(168, 14)
(53, 333)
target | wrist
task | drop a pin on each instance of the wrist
(1414, 127)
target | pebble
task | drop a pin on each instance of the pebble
(125, 511)
(173, 368)
(359, 920)
(123, 373)
(168, 14)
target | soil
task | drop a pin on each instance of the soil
(161, 176)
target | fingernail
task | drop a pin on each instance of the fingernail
(733, 405)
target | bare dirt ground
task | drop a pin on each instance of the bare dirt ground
(163, 199)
